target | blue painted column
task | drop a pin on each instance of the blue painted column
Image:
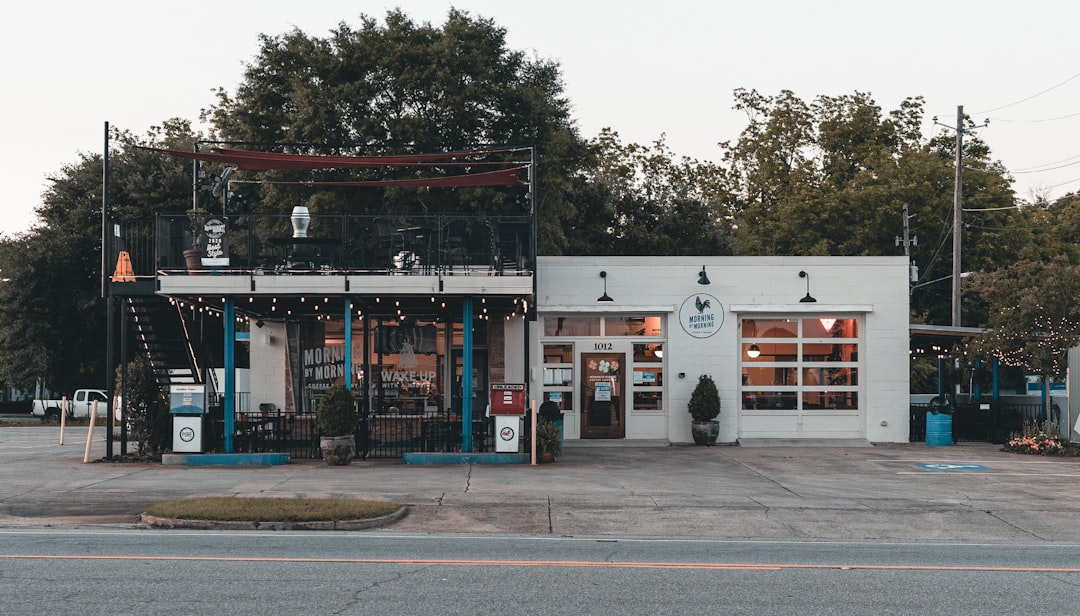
(348, 344)
(941, 376)
(229, 397)
(996, 386)
(1045, 397)
(466, 374)
(978, 388)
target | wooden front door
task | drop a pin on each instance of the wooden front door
(603, 413)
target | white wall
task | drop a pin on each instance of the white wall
(653, 284)
(268, 364)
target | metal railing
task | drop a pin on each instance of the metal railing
(344, 243)
(972, 423)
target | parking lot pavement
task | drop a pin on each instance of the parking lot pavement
(911, 491)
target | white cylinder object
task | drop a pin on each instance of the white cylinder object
(301, 219)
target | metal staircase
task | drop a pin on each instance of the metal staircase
(164, 333)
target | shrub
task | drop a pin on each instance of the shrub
(547, 438)
(337, 412)
(705, 401)
(146, 413)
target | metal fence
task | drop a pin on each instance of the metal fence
(971, 422)
(356, 244)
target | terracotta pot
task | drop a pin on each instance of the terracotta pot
(193, 260)
(337, 450)
(547, 457)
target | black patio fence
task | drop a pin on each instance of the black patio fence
(378, 435)
(989, 422)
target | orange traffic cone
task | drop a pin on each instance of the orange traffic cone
(123, 272)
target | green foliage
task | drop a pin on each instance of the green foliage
(146, 408)
(400, 86)
(547, 438)
(337, 412)
(1036, 318)
(656, 204)
(704, 402)
(52, 315)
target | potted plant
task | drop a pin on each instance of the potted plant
(193, 255)
(547, 441)
(336, 419)
(704, 406)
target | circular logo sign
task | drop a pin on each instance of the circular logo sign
(187, 434)
(701, 315)
(507, 433)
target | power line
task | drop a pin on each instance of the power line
(1047, 167)
(1064, 117)
(1024, 100)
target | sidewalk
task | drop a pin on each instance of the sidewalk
(967, 492)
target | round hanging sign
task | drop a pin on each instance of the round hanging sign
(701, 315)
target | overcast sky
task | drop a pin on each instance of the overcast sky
(641, 68)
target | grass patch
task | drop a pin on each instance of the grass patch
(239, 509)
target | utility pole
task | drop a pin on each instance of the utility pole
(908, 241)
(957, 196)
(958, 209)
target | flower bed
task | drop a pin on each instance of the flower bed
(1039, 440)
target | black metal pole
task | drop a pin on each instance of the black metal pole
(123, 376)
(106, 292)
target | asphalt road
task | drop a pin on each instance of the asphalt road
(88, 571)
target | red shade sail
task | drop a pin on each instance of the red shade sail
(266, 161)
(502, 177)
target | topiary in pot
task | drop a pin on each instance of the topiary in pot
(336, 419)
(704, 406)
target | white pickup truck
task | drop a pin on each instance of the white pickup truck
(78, 405)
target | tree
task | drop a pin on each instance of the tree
(655, 203)
(146, 412)
(402, 86)
(832, 177)
(52, 314)
(1035, 318)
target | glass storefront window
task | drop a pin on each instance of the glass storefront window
(565, 399)
(759, 377)
(648, 377)
(632, 326)
(831, 376)
(648, 352)
(558, 353)
(775, 400)
(559, 376)
(800, 364)
(830, 352)
(571, 326)
(770, 352)
(648, 400)
(770, 328)
(830, 400)
(829, 327)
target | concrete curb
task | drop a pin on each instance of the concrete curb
(366, 524)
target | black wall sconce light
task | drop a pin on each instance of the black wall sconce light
(808, 298)
(753, 352)
(605, 297)
(701, 277)
(259, 323)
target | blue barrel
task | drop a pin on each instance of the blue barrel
(938, 428)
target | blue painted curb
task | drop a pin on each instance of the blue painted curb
(224, 459)
(465, 458)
